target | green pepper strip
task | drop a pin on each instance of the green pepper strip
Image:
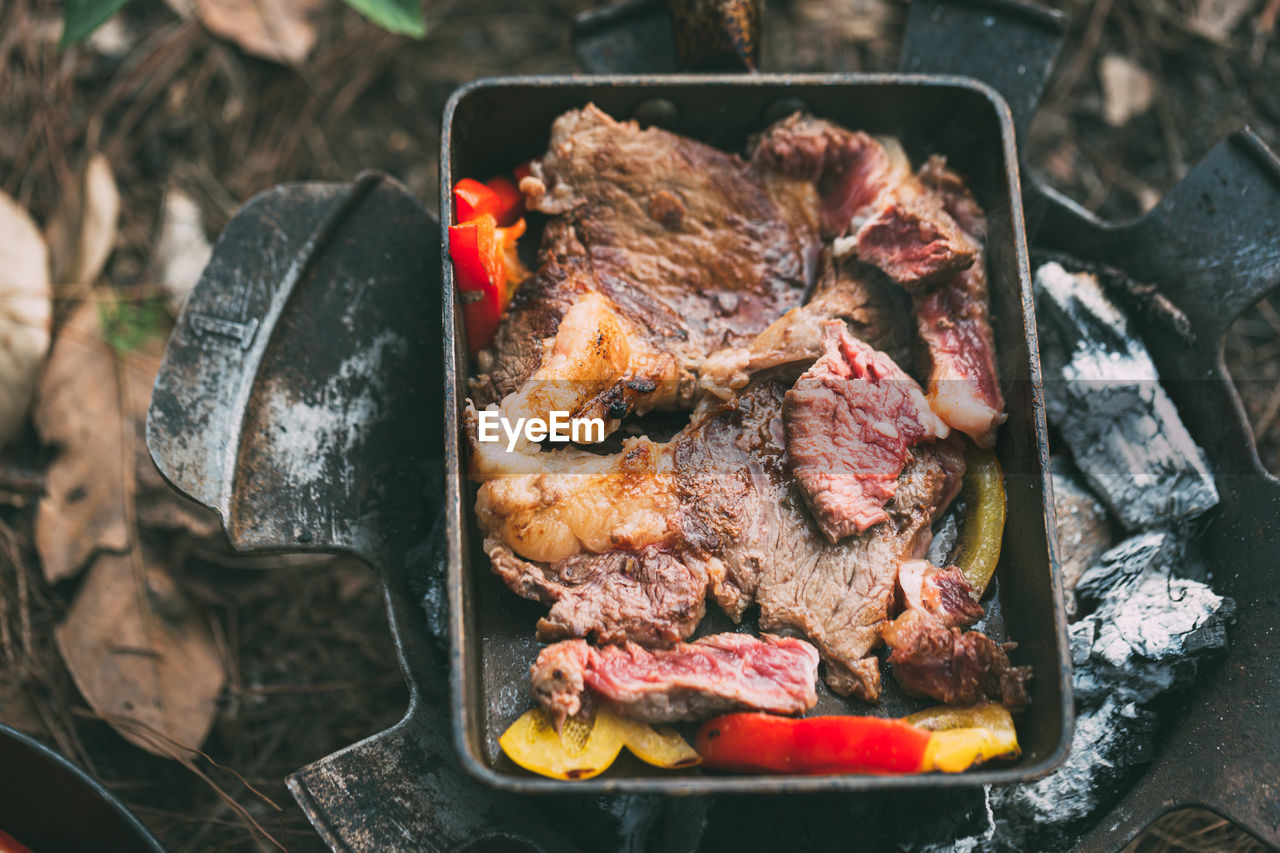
(983, 529)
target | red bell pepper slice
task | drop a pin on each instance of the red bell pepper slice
(816, 745)
(510, 200)
(472, 199)
(523, 171)
(479, 273)
(9, 844)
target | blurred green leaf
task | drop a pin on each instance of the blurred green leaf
(128, 324)
(85, 16)
(398, 16)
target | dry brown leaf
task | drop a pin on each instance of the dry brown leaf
(17, 710)
(182, 249)
(137, 648)
(90, 481)
(26, 312)
(1217, 19)
(82, 232)
(1127, 89)
(280, 30)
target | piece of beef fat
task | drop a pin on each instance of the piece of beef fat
(851, 421)
(691, 681)
(940, 593)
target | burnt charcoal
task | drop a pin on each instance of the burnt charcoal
(1118, 569)
(1109, 743)
(1104, 397)
(1148, 635)
(1080, 637)
(1084, 532)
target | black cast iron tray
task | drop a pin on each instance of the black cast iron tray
(491, 629)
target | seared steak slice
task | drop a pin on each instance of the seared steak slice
(868, 191)
(927, 233)
(851, 421)
(931, 659)
(648, 596)
(931, 655)
(850, 169)
(696, 249)
(713, 675)
(840, 595)
(744, 520)
(954, 322)
(533, 317)
(734, 492)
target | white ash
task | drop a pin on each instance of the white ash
(1105, 399)
(1119, 568)
(1149, 634)
(1146, 637)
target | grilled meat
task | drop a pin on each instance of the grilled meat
(869, 192)
(932, 656)
(671, 276)
(743, 518)
(954, 322)
(941, 594)
(716, 674)
(550, 506)
(926, 232)
(596, 364)
(693, 248)
(649, 595)
(851, 421)
(845, 290)
(742, 530)
(958, 668)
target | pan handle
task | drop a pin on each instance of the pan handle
(1212, 244)
(276, 403)
(1009, 45)
(660, 36)
(404, 789)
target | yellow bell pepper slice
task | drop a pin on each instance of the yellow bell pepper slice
(963, 737)
(587, 747)
(983, 527)
(661, 746)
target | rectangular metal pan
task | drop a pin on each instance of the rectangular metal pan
(490, 126)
